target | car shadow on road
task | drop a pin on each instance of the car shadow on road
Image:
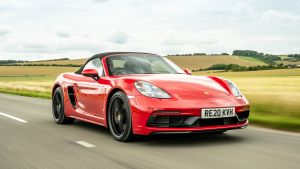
(97, 129)
(200, 139)
(171, 140)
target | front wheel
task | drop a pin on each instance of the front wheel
(119, 117)
(58, 108)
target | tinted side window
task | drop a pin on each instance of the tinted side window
(95, 64)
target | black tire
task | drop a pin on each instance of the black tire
(119, 117)
(58, 108)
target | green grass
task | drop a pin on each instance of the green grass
(273, 95)
(32, 86)
(277, 122)
(28, 93)
(205, 61)
(259, 62)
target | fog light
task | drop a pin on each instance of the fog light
(242, 108)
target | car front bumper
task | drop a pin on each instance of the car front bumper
(151, 116)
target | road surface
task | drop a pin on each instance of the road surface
(29, 138)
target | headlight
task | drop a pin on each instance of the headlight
(151, 90)
(236, 91)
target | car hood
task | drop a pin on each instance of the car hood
(186, 86)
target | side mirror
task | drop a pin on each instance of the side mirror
(187, 71)
(90, 72)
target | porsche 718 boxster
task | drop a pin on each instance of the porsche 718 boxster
(140, 94)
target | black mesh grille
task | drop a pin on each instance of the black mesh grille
(243, 115)
(188, 121)
(218, 121)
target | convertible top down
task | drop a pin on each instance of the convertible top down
(141, 93)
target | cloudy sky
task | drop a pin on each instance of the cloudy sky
(45, 29)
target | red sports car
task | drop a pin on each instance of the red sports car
(140, 94)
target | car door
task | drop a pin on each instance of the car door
(90, 92)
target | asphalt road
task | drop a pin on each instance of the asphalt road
(29, 138)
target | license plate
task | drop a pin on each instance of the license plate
(217, 113)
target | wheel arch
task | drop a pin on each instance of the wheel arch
(56, 85)
(111, 93)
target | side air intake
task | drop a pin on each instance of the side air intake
(72, 96)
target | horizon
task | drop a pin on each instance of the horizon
(178, 54)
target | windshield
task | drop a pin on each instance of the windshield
(141, 64)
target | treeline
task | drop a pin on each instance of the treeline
(3, 62)
(52, 60)
(292, 58)
(267, 58)
(15, 62)
(197, 54)
(66, 65)
(189, 54)
(238, 68)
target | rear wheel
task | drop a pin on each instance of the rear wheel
(119, 117)
(58, 108)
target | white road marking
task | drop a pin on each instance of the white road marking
(85, 144)
(12, 117)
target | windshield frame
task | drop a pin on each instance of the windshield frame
(172, 65)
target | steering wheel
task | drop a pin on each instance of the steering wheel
(123, 72)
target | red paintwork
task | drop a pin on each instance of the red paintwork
(92, 72)
(187, 94)
(187, 71)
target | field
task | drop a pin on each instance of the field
(33, 81)
(188, 62)
(53, 71)
(274, 94)
(59, 62)
(288, 62)
(197, 62)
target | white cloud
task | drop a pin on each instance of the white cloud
(66, 28)
(99, 1)
(281, 16)
(119, 37)
(4, 30)
(173, 37)
(63, 33)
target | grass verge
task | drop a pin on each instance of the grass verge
(28, 93)
(276, 122)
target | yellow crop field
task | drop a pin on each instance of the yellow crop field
(59, 62)
(34, 70)
(274, 95)
(30, 80)
(263, 73)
